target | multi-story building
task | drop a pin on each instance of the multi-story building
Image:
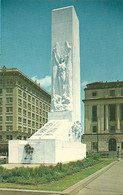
(103, 105)
(24, 106)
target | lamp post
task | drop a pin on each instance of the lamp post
(97, 134)
(118, 151)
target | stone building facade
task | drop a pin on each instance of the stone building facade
(24, 106)
(103, 105)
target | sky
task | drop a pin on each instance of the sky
(26, 39)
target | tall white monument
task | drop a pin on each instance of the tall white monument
(60, 139)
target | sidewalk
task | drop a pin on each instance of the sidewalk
(108, 183)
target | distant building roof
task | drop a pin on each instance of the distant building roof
(4, 71)
(102, 85)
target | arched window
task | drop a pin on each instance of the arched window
(112, 144)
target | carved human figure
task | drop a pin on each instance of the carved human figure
(61, 75)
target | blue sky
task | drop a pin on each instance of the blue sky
(26, 38)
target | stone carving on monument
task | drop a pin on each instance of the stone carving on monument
(62, 81)
(75, 132)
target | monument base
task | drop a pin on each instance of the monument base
(46, 151)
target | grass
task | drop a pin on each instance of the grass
(63, 183)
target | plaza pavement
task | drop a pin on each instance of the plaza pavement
(107, 181)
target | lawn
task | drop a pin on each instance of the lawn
(65, 180)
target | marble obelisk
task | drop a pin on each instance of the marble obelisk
(65, 65)
(60, 139)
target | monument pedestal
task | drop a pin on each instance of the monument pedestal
(46, 151)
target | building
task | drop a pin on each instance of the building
(103, 105)
(24, 106)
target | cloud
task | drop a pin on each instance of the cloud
(84, 83)
(44, 82)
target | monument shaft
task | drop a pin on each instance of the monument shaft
(65, 63)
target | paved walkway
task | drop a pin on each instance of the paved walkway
(109, 183)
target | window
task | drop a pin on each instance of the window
(121, 111)
(112, 128)
(94, 113)
(1, 81)
(94, 145)
(29, 130)
(37, 125)
(9, 100)
(0, 91)
(9, 109)
(0, 128)
(121, 92)
(33, 124)
(29, 106)
(94, 129)
(0, 137)
(24, 121)
(9, 137)
(29, 98)
(0, 118)
(36, 117)
(19, 137)
(122, 145)
(9, 118)
(24, 104)
(29, 114)
(19, 119)
(19, 128)
(29, 122)
(19, 110)
(36, 109)
(36, 102)
(33, 100)
(0, 109)
(33, 108)
(19, 102)
(33, 130)
(19, 92)
(9, 90)
(112, 92)
(112, 109)
(0, 101)
(94, 93)
(33, 116)
(24, 129)
(9, 81)
(9, 128)
(40, 119)
(24, 95)
(24, 112)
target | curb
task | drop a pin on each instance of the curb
(69, 191)
(81, 184)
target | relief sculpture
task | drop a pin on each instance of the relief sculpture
(62, 78)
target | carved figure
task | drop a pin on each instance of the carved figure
(75, 131)
(61, 77)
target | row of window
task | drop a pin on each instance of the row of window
(10, 137)
(6, 81)
(10, 127)
(111, 93)
(25, 104)
(112, 112)
(8, 90)
(95, 128)
(44, 114)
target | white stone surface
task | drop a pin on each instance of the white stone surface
(46, 151)
(60, 139)
(65, 62)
